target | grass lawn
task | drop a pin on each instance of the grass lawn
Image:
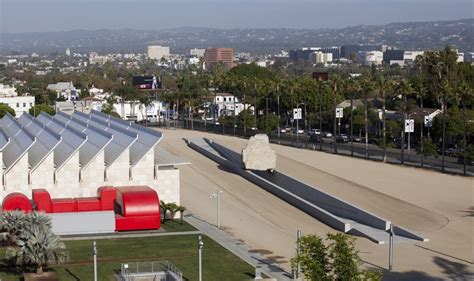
(176, 226)
(218, 263)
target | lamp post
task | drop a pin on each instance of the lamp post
(390, 248)
(409, 130)
(200, 244)
(298, 252)
(297, 128)
(94, 251)
(217, 195)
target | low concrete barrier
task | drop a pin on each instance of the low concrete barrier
(289, 197)
(315, 196)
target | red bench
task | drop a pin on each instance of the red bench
(139, 208)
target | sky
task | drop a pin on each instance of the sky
(63, 15)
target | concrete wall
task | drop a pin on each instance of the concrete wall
(167, 184)
(92, 176)
(43, 175)
(16, 180)
(119, 171)
(143, 172)
(287, 196)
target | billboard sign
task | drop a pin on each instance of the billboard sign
(409, 125)
(297, 113)
(146, 82)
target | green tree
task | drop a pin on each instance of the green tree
(313, 258)
(344, 257)
(268, 124)
(37, 246)
(383, 85)
(13, 224)
(366, 93)
(4, 108)
(37, 109)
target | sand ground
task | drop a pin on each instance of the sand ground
(438, 205)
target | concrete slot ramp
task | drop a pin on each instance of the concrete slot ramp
(333, 211)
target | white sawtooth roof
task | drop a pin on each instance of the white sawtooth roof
(72, 140)
(20, 141)
(122, 140)
(97, 139)
(46, 140)
(147, 139)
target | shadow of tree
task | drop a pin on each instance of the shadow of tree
(455, 270)
(469, 212)
(451, 270)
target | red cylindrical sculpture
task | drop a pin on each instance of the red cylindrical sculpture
(17, 201)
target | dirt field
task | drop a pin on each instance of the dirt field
(439, 206)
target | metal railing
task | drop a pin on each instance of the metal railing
(357, 149)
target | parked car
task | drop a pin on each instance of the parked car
(315, 138)
(342, 138)
(356, 139)
(299, 131)
(326, 134)
(314, 132)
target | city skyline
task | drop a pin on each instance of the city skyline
(54, 15)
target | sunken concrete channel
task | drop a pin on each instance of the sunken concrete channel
(329, 209)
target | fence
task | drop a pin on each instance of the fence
(355, 149)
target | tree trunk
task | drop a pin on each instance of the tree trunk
(335, 120)
(366, 125)
(464, 137)
(444, 135)
(352, 125)
(384, 138)
(403, 129)
(321, 121)
(39, 269)
(421, 133)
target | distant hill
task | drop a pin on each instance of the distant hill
(410, 35)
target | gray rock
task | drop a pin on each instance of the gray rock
(258, 155)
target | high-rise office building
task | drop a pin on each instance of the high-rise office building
(156, 52)
(215, 55)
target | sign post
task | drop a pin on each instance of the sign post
(339, 115)
(94, 251)
(409, 128)
(297, 116)
(200, 244)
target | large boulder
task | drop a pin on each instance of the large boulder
(258, 155)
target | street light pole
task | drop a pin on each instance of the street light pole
(200, 244)
(298, 252)
(390, 249)
(217, 195)
(94, 251)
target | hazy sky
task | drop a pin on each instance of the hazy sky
(57, 15)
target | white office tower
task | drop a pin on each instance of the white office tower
(68, 52)
(197, 52)
(156, 52)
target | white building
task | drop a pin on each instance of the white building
(156, 52)
(95, 91)
(10, 97)
(227, 104)
(370, 57)
(94, 58)
(197, 52)
(73, 155)
(410, 56)
(68, 52)
(320, 57)
(66, 90)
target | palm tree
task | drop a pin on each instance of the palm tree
(335, 83)
(173, 208)
(421, 91)
(404, 89)
(164, 210)
(37, 246)
(181, 210)
(13, 223)
(366, 90)
(466, 96)
(352, 88)
(383, 85)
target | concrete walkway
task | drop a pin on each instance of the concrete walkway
(128, 235)
(239, 249)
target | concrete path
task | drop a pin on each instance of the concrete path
(239, 249)
(128, 235)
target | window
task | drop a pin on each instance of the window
(24, 104)
(17, 104)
